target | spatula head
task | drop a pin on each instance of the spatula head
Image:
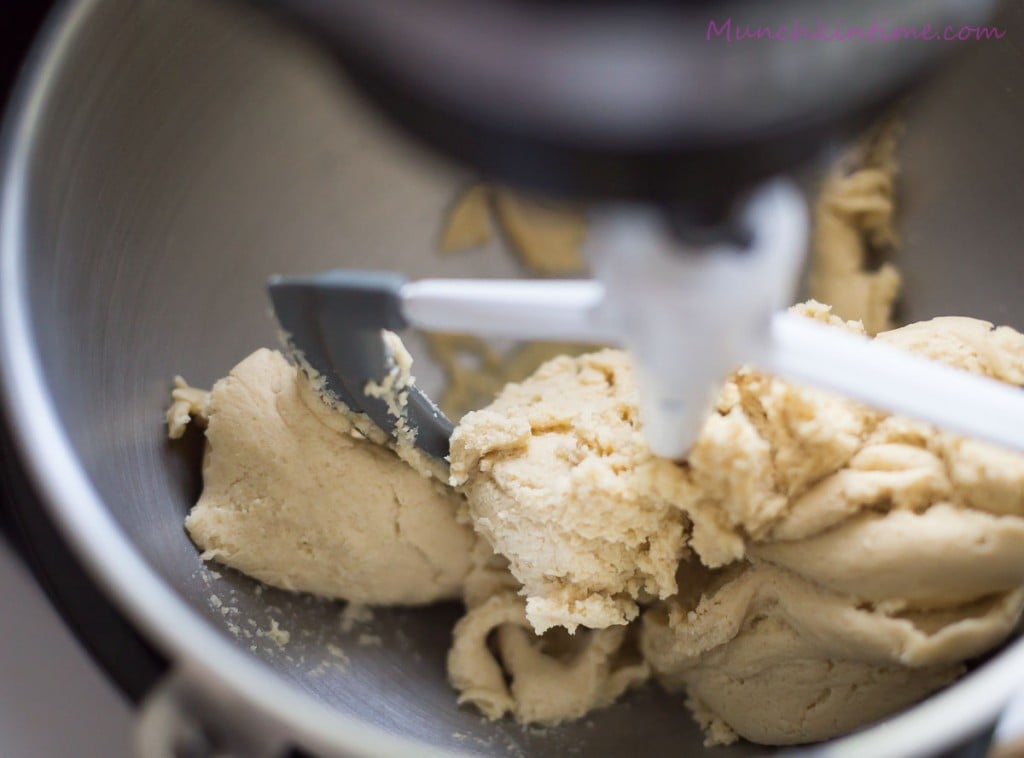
(333, 325)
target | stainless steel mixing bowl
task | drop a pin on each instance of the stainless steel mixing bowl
(166, 156)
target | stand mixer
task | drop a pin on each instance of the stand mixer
(169, 157)
(680, 141)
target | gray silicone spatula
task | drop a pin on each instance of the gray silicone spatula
(333, 325)
(334, 322)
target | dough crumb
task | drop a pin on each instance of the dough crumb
(280, 636)
(355, 614)
(469, 220)
(716, 732)
(341, 659)
(188, 404)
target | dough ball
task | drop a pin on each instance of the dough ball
(777, 659)
(557, 476)
(294, 497)
(500, 666)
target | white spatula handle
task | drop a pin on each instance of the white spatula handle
(800, 350)
(897, 381)
(512, 308)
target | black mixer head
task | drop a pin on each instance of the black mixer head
(686, 103)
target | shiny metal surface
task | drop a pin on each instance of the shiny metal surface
(167, 157)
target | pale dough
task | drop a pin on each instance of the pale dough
(469, 221)
(853, 218)
(542, 680)
(294, 496)
(847, 562)
(546, 237)
(556, 471)
(779, 659)
(811, 567)
(883, 553)
(778, 463)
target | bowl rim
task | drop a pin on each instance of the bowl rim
(166, 619)
(191, 643)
